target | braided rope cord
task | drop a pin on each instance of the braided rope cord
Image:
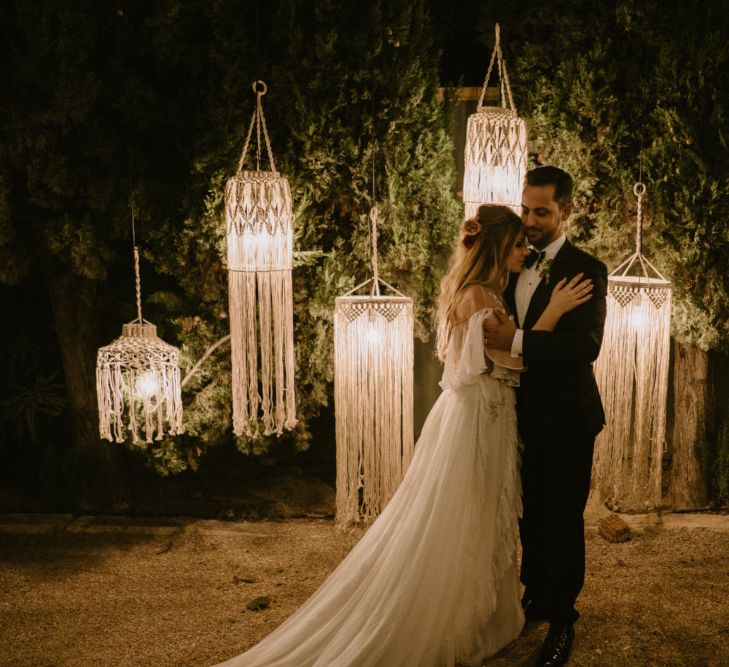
(498, 57)
(639, 191)
(637, 258)
(259, 120)
(138, 285)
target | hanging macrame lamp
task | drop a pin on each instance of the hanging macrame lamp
(632, 373)
(259, 225)
(373, 394)
(138, 381)
(496, 147)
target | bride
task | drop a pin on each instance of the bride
(434, 579)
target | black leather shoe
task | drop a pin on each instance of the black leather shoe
(557, 646)
(532, 611)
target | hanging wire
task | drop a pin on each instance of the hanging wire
(375, 261)
(135, 249)
(640, 160)
(257, 41)
(373, 211)
(375, 281)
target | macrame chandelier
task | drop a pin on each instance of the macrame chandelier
(373, 394)
(496, 147)
(259, 224)
(632, 373)
(138, 380)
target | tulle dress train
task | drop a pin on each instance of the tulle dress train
(434, 579)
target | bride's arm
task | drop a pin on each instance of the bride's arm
(471, 300)
(476, 298)
(566, 296)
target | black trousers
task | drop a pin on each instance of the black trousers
(555, 475)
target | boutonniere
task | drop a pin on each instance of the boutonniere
(545, 269)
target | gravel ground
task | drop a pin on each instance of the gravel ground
(95, 591)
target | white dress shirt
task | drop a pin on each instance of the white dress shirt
(526, 285)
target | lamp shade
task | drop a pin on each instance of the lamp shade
(632, 374)
(259, 234)
(138, 386)
(495, 159)
(259, 222)
(373, 397)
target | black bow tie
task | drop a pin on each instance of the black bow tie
(534, 259)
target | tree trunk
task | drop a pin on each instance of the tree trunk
(691, 416)
(96, 482)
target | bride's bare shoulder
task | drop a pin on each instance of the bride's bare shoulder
(471, 299)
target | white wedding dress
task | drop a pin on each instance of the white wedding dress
(434, 579)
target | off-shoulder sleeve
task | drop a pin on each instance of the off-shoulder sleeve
(465, 359)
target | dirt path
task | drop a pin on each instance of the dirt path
(174, 592)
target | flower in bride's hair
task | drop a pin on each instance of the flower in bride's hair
(471, 230)
(471, 227)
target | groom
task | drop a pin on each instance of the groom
(558, 408)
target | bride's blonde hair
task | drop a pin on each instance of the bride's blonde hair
(484, 244)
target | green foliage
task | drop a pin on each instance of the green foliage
(30, 402)
(33, 402)
(614, 92)
(31, 395)
(604, 83)
(152, 101)
(358, 85)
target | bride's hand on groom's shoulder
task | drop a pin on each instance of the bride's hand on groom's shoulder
(570, 293)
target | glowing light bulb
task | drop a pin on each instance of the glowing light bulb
(147, 384)
(638, 315)
(373, 335)
(499, 180)
(636, 319)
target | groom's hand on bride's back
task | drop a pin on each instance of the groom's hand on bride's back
(499, 331)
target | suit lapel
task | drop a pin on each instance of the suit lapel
(538, 303)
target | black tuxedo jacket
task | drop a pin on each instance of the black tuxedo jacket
(558, 395)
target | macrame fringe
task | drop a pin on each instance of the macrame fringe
(373, 396)
(261, 319)
(632, 373)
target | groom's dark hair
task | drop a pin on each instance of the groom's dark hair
(561, 180)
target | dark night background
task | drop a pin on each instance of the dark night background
(103, 99)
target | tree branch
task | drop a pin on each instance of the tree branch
(208, 352)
